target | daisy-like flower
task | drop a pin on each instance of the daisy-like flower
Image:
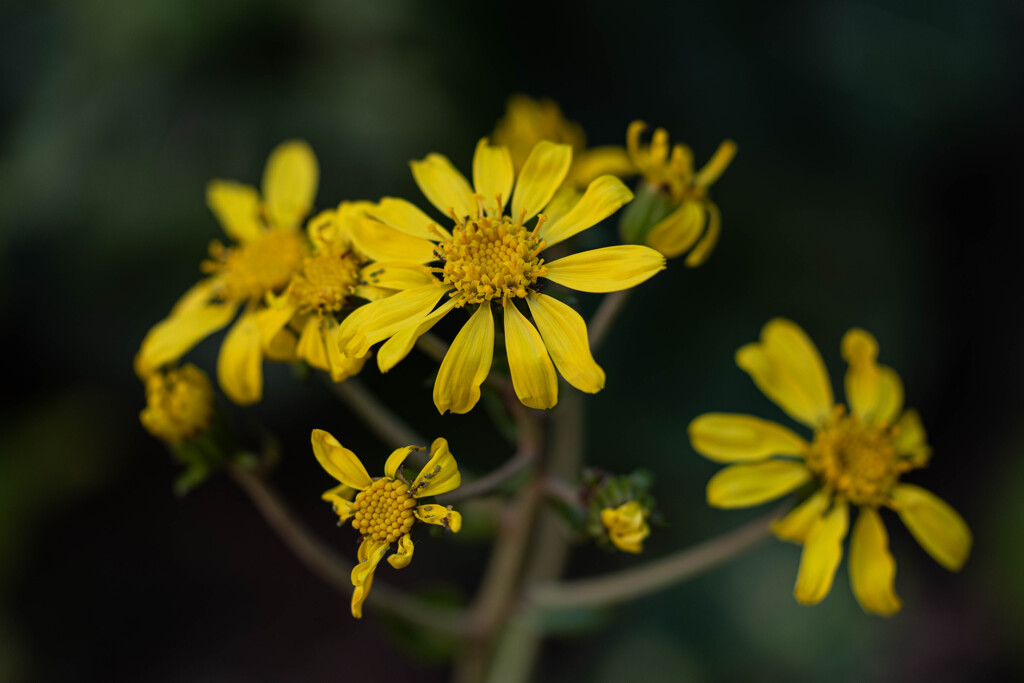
(677, 211)
(627, 526)
(490, 259)
(385, 510)
(528, 121)
(269, 248)
(854, 458)
(179, 404)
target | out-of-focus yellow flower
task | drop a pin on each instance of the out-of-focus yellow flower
(855, 458)
(269, 249)
(528, 121)
(179, 404)
(491, 257)
(690, 212)
(385, 510)
(627, 526)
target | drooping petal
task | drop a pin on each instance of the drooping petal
(787, 367)
(798, 523)
(822, 553)
(439, 475)
(272, 322)
(311, 347)
(724, 437)
(340, 366)
(341, 498)
(395, 460)
(340, 462)
(444, 186)
(540, 177)
(240, 363)
(289, 183)
(440, 515)
(716, 165)
(493, 174)
(872, 569)
(465, 366)
(403, 555)
(400, 344)
(406, 217)
(603, 197)
(378, 320)
(175, 335)
(599, 161)
(874, 392)
(937, 527)
(707, 243)
(380, 242)
(533, 375)
(609, 269)
(747, 484)
(678, 231)
(237, 208)
(370, 554)
(565, 336)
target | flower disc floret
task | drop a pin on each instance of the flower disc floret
(326, 282)
(383, 512)
(263, 265)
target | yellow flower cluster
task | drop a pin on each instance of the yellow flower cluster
(179, 404)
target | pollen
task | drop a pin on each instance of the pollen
(488, 258)
(326, 282)
(384, 512)
(263, 265)
(856, 459)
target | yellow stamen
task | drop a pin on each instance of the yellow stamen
(255, 268)
(326, 281)
(384, 512)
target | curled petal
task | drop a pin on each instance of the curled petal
(370, 554)
(403, 555)
(440, 515)
(439, 475)
(340, 462)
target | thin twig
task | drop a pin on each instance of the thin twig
(606, 313)
(334, 569)
(432, 345)
(632, 583)
(388, 426)
(493, 479)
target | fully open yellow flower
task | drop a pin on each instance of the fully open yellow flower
(627, 526)
(269, 249)
(491, 257)
(528, 121)
(179, 404)
(694, 214)
(855, 458)
(384, 510)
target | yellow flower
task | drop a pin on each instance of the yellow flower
(491, 257)
(692, 212)
(384, 510)
(179, 404)
(855, 458)
(528, 121)
(627, 526)
(269, 249)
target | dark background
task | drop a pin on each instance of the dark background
(877, 184)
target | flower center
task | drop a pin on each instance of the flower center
(384, 511)
(856, 459)
(326, 281)
(263, 265)
(491, 258)
(179, 404)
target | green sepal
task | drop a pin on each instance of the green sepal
(648, 208)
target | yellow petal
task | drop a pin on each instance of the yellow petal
(289, 183)
(340, 462)
(937, 527)
(198, 295)
(175, 335)
(403, 554)
(400, 344)
(272, 321)
(240, 363)
(740, 486)
(562, 203)
(703, 250)
(603, 197)
(378, 320)
(493, 174)
(533, 375)
(440, 515)
(465, 366)
(237, 208)
(716, 165)
(540, 177)
(565, 336)
(311, 347)
(787, 367)
(874, 392)
(395, 460)
(822, 553)
(341, 498)
(910, 438)
(406, 217)
(872, 569)
(439, 475)
(397, 275)
(798, 523)
(340, 366)
(444, 186)
(380, 242)
(609, 269)
(726, 437)
(599, 161)
(679, 230)
(370, 554)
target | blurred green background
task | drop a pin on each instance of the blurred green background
(877, 185)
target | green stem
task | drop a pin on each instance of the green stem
(388, 426)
